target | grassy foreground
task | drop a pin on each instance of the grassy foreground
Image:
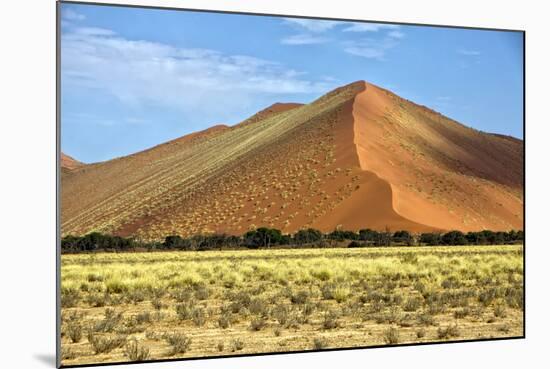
(157, 305)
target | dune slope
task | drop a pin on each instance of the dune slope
(358, 157)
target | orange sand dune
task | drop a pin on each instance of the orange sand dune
(357, 157)
(69, 165)
(442, 173)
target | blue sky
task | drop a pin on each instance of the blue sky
(132, 78)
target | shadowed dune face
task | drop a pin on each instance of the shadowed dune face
(358, 157)
(442, 173)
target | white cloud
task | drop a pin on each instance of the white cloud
(396, 34)
(304, 39)
(71, 15)
(370, 48)
(313, 25)
(369, 27)
(468, 52)
(138, 72)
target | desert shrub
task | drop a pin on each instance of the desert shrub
(320, 343)
(240, 300)
(116, 286)
(257, 324)
(157, 303)
(277, 332)
(198, 316)
(220, 346)
(237, 344)
(420, 333)
(451, 282)
(462, 313)
(98, 299)
(110, 320)
(514, 298)
(327, 291)
(426, 319)
(409, 258)
(486, 297)
(499, 311)
(69, 297)
(258, 306)
(135, 296)
(144, 317)
(300, 297)
(224, 321)
(68, 354)
(92, 277)
(436, 307)
(281, 314)
(202, 293)
(102, 344)
(184, 311)
(183, 295)
(180, 343)
(74, 330)
(448, 332)
(391, 336)
(505, 328)
(340, 294)
(308, 309)
(406, 320)
(134, 352)
(130, 326)
(330, 319)
(412, 304)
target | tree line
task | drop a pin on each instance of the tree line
(270, 237)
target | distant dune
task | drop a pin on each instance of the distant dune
(358, 157)
(68, 163)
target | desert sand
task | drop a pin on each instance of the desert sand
(357, 157)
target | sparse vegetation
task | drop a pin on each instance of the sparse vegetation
(178, 341)
(391, 336)
(135, 352)
(320, 343)
(278, 294)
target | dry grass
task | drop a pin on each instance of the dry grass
(282, 300)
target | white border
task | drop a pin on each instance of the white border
(27, 206)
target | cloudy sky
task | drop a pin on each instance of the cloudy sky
(133, 78)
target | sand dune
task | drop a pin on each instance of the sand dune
(358, 157)
(68, 165)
